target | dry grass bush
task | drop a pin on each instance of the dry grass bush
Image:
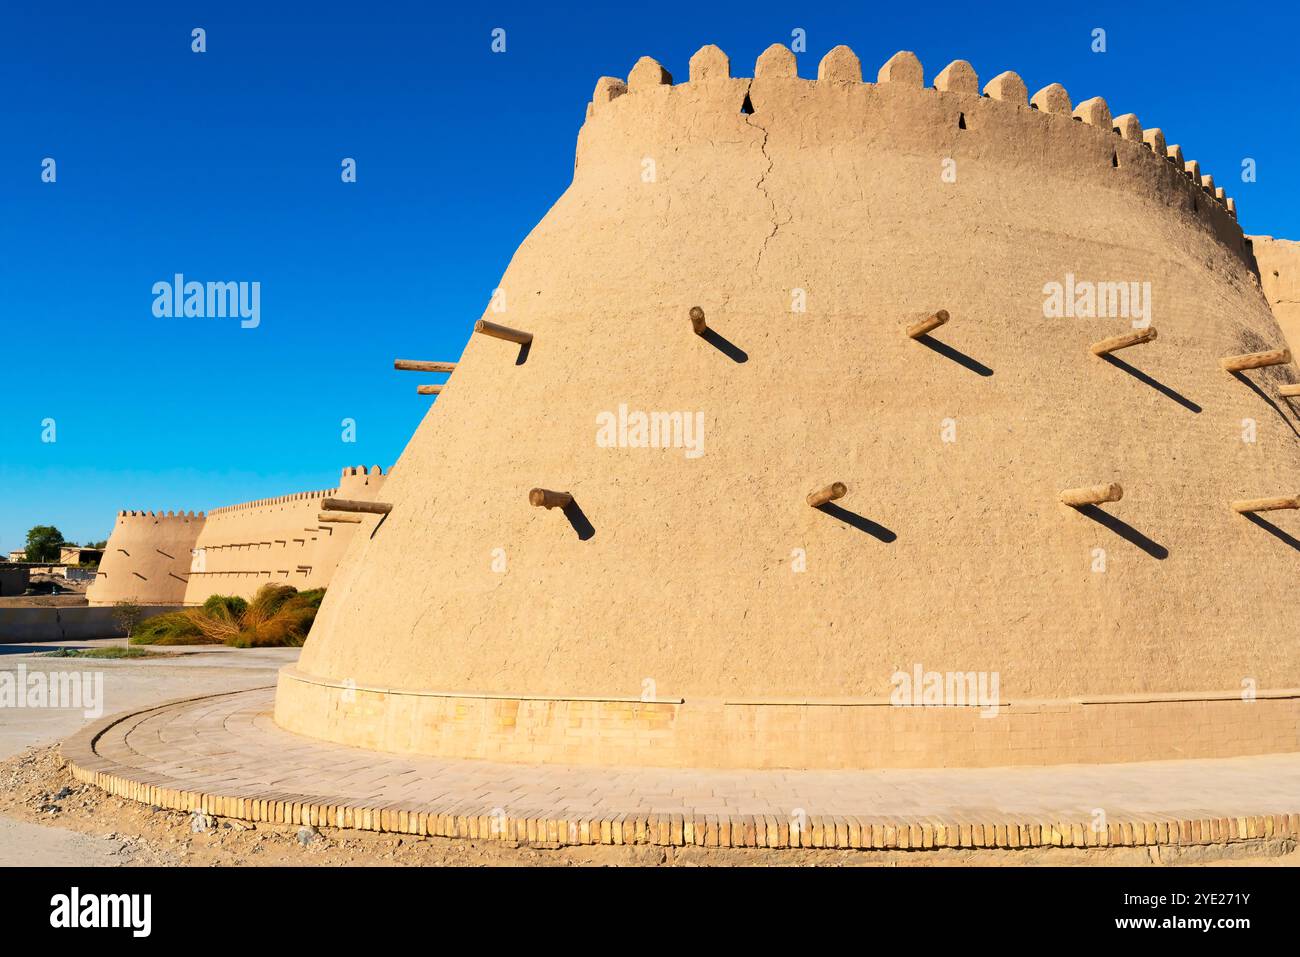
(278, 616)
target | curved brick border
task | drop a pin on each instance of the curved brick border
(476, 821)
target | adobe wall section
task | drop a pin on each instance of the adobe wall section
(276, 540)
(741, 733)
(147, 559)
(184, 558)
(1279, 274)
(746, 197)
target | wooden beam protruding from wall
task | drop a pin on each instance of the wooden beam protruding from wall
(1092, 495)
(502, 332)
(1266, 504)
(1256, 360)
(353, 505)
(828, 494)
(927, 325)
(419, 365)
(1122, 341)
(545, 498)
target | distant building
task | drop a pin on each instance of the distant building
(18, 555)
(75, 555)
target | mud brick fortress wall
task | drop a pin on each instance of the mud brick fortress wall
(242, 547)
(147, 559)
(741, 195)
(170, 558)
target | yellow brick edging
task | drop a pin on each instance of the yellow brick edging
(832, 832)
(837, 832)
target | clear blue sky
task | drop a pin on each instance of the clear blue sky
(225, 166)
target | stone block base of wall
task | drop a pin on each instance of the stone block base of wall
(838, 734)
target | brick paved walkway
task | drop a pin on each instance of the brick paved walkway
(225, 755)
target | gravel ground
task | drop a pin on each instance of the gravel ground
(62, 822)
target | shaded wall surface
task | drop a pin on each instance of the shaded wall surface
(14, 581)
(65, 623)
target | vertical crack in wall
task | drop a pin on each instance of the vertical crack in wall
(776, 223)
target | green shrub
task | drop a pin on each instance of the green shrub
(230, 607)
(278, 616)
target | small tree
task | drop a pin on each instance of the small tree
(43, 544)
(127, 614)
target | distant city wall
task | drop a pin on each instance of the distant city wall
(183, 559)
(1279, 274)
(243, 547)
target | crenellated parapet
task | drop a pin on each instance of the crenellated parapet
(278, 500)
(351, 476)
(1045, 130)
(358, 482)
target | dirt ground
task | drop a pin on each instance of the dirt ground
(39, 794)
(67, 600)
